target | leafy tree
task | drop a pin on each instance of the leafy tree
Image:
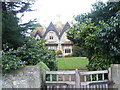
(31, 53)
(99, 36)
(107, 44)
(79, 32)
(100, 42)
(100, 11)
(35, 51)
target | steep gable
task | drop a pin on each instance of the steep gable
(51, 27)
(67, 25)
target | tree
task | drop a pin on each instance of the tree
(100, 11)
(12, 32)
(17, 7)
(30, 53)
(35, 51)
(80, 32)
(98, 34)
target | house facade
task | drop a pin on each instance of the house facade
(55, 36)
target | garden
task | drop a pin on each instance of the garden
(96, 33)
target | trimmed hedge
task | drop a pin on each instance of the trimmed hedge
(43, 65)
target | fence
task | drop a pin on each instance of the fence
(76, 79)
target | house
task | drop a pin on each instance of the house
(55, 36)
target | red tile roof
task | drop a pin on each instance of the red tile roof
(39, 29)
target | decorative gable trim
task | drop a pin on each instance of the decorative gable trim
(51, 27)
(67, 25)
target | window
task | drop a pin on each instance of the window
(52, 47)
(51, 36)
(67, 49)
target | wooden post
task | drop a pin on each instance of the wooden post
(77, 78)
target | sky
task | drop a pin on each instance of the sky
(50, 10)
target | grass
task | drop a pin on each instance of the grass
(72, 63)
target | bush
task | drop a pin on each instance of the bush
(35, 51)
(43, 65)
(59, 52)
(30, 54)
(11, 62)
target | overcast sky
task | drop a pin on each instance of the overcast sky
(49, 10)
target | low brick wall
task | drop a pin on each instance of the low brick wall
(27, 77)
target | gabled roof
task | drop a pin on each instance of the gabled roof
(38, 30)
(67, 25)
(51, 27)
(58, 30)
(37, 33)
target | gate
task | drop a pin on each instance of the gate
(77, 79)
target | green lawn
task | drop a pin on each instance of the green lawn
(72, 63)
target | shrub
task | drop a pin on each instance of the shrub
(43, 65)
(59, 52)
(11, 62)
(35, 51)
(29, 54)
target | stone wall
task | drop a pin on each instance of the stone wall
(27, 77)
(115, 75)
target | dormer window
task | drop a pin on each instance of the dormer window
(51, 36)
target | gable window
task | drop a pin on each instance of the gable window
(51, 36)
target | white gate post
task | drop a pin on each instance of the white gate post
(77, 78)
(109, 74)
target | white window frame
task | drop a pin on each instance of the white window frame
(67, 49)
(51, 37)
(52, 47)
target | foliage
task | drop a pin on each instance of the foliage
(11, 62)
(31, 53)
(100, 39)
(100, 11)
(43, 65)
(17, 7)
(78, 34)
(13, 33)
(78, 51)
(35, 51)
(59, 52)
